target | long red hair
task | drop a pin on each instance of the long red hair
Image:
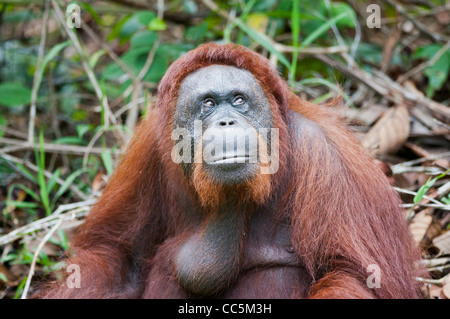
(344, 214)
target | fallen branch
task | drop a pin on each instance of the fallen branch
(51, 147)
(36, 255)
(420, 160)
(72, 211)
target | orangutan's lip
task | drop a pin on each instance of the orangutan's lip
(232, 159)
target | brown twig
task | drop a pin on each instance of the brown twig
(401, 167)
(98, 91)
(436, 37)
(50, 147)
(388, 88)
(65, 212)
(36, 255)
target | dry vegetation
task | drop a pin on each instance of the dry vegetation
(70, 99)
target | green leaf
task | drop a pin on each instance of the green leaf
(20, 288)
(80, 115)
(133, 58)
(91, 10)
(83, 129)
(134, 23)
(157, 25)
(264, 5)
(27, 173)
(426, 187)
(2, 123)
(324, 28)
(144, 38)
(40, 159)
(437, 73)
(295, 34)
(330, 85)
(73, 140)
(190, 6)
(52, 181)
(423, 190)
(14, 94)
(69, 180)
(107, 161)
(426, 51)
(24, 188)
(48, 57)
(145, 17)
(20, 204)
(115, 32)
(322, 98)
(159, 65)
(196, 33)
(64, 243)
(130, 26)
(338, 8)
(18, 16)
(264, 41)
(95, 57)
(446, 200)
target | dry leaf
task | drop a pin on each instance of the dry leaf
(389, 133)
(433, 231)
(389, 46)
(443, 17)
(432, 291)
(367, 115)
(419, 226)
(446, 286)
(98, 182)
(6, 273)
(20, 197)
(442, 242)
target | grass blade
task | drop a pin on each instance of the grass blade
(69, 180)
(295, 19)
(264, 41)
(323, 28)
(40, 159)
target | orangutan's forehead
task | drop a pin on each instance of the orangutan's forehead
(216, 78)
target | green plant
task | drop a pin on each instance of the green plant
(423, 190)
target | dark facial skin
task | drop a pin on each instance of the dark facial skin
(230, 103)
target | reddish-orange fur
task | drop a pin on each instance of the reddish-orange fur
(344, 214)
(211, 194)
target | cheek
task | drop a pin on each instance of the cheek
(181, 117)
(262, 120)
